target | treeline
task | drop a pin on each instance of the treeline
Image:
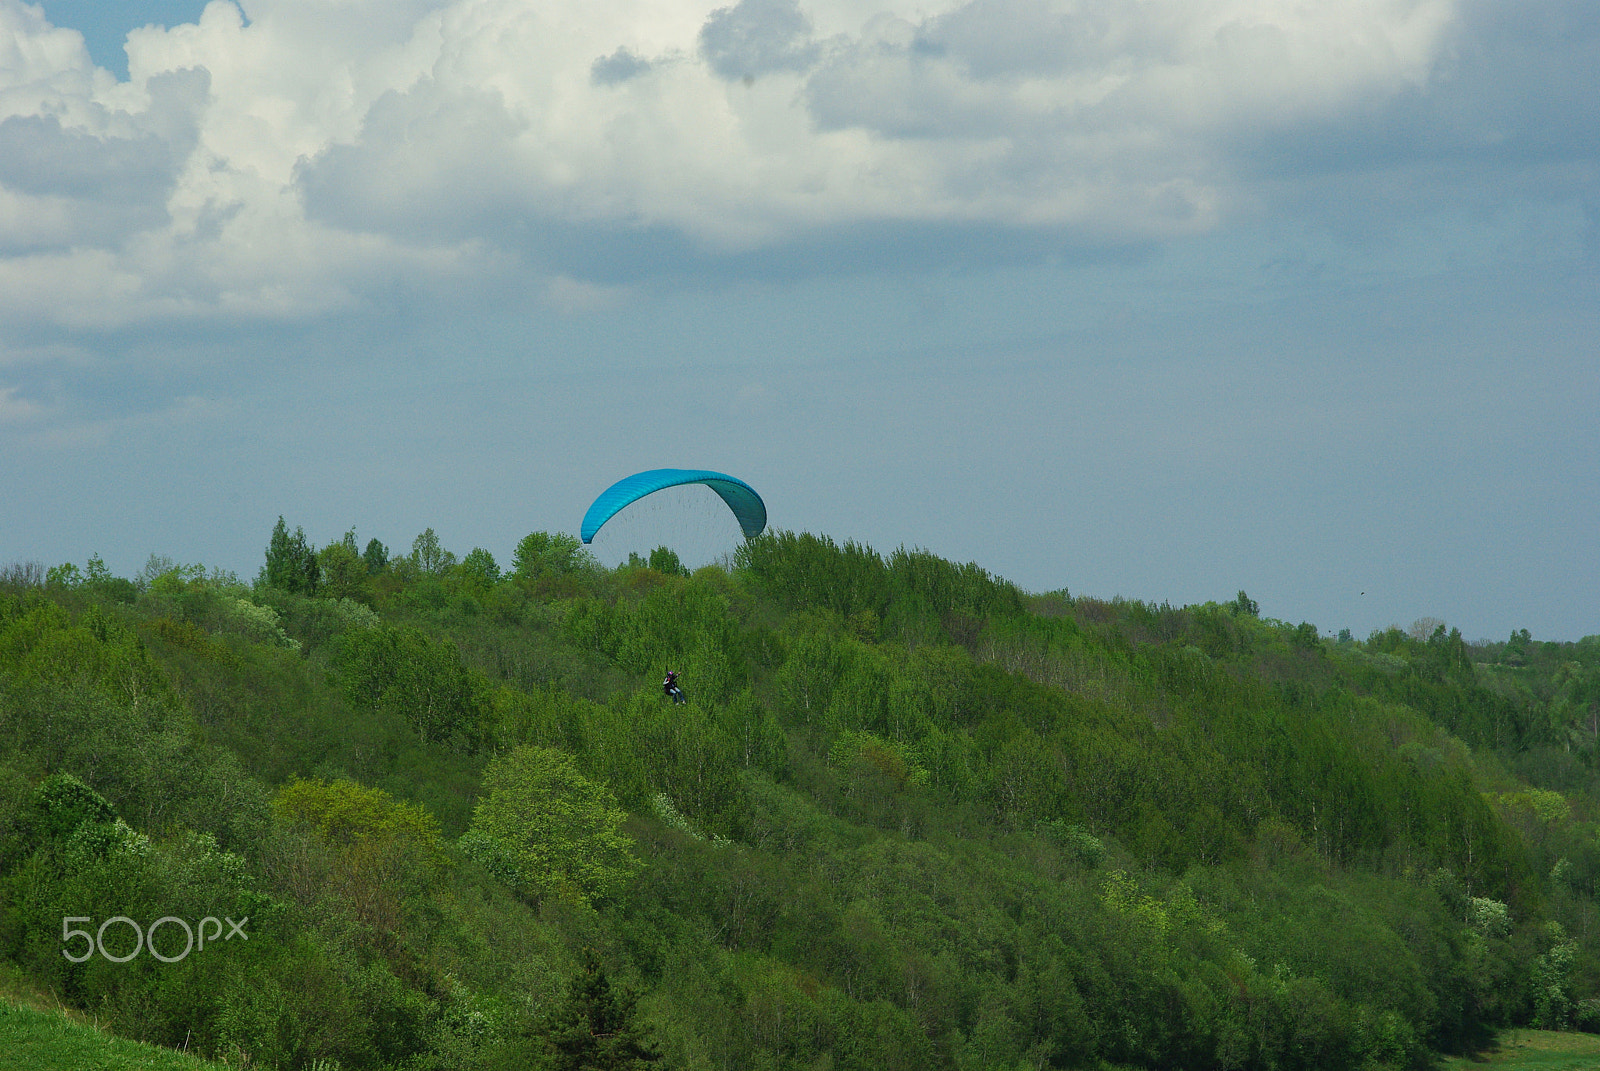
(911, 817)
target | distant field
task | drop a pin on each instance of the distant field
(1536, 1050)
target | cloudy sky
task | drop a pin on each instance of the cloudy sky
(1152, 298)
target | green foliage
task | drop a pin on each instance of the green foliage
(910, 817)
(596, 1028)
(429, 557)
(683, 626)
(896, 762)
(813, 572)
(346, 813)
(379, 849)
(106, 868)
(61, 804)
(547, 830)
(550, 554)
(913, 594)
(664, 560)
(376, 557)
(98, 583)
(64, 576)
(341, 569)
(402, 673)
(948, 589)
(40, 643)
(1551, 980)
(479, 571)
(1084, 847)
(291, 563)
(1304, 637)
(214, 605)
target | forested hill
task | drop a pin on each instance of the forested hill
(911, 817)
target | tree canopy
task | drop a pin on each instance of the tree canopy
(914, 817)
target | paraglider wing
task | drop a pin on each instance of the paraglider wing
(741, 498)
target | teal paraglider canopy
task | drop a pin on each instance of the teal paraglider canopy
(741, 498)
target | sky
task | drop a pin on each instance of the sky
(1160, 299)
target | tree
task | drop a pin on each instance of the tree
(595, 1028)
(97, 580)
(342, 568)
(1245, 606)
(430, 557)
(291, 563)
(1304, 637)
(376, 556)
(61, 803)
(401, 672)
(64, 576)
(381, 848)
(666, 560)
(344, 812)
(545, 829)
(550, 553)
(479, 569)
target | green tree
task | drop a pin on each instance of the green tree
(97, 580)
(64, 576)
(291, 563)
(376, 556)
(61, 803)
(1304, 637)
(381, 849)
(666, 560)
(342, 568)
(1516, 649)
(402, 672)
(95, 571)
(813, 572)
(595, 1029)
(479, 569)
(430, 557)
(346, 813)
(547, 830)
(550, 554)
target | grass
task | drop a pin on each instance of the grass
(1534, 1050)
(42, 1037)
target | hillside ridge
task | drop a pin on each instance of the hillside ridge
(911, 816)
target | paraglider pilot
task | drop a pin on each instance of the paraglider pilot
(670, 686)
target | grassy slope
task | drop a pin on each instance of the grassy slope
(40, 1037)
(1535, 1050)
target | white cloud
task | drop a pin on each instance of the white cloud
(281, 159)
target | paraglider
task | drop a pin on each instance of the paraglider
(740, 497)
